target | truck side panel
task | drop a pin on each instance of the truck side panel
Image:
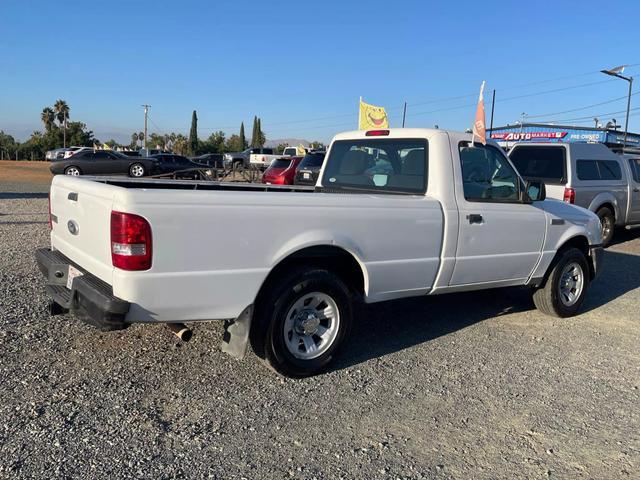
(213, 250)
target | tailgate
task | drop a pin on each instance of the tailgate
(81, 218)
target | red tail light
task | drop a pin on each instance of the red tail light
(130, 241)
(569, 195)
(377, 133)
(50, 219)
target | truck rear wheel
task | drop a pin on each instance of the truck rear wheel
(304, 320)
(608, 223)
(565, 288)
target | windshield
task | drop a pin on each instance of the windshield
(396, 165)
(312, 160)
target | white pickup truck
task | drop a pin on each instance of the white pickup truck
(396, 213)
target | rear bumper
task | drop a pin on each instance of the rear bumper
(89, 299)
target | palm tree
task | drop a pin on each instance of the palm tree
(134, 139)
(47, 116)
(62, 111)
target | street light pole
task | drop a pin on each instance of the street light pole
(616, 72)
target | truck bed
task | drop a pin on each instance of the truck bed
(153, 183)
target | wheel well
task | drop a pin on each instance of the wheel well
(582, 244)
(610, 207)
(334, 259)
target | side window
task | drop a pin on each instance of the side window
(634, 163)
(100, 156)
(587, 170)
(609, 170)
(487, 176)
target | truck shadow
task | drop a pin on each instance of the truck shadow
(388, 327)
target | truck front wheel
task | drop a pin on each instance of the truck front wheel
(566, 285)
(303, 321)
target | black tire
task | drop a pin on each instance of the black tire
(268, 330)
(237, 164)
(135, 168)
(547, 298)
(608, 223)
(71, 168)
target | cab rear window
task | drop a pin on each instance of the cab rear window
(540, 163)
(392, 165)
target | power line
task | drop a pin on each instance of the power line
(582, 108)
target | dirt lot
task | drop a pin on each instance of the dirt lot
(25, 172)
(464, 386)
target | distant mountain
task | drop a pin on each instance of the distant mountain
(294, 142)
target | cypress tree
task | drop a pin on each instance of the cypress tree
(254, 137)
(193, 134)
(260, 133)
(243, 141)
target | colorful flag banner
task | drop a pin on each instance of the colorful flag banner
(479, 126)
(372, 117)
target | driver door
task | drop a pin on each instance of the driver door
(500, 238)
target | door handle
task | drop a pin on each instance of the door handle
(474, 218)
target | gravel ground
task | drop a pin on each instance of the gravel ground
(465, 386)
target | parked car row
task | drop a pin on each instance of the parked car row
(295, 170)
(105, 162)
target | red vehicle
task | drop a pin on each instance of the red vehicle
(282, 171)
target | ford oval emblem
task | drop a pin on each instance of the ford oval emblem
(73, 227)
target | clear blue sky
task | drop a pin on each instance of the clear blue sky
(301, 66)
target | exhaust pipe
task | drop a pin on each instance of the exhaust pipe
(181, 331)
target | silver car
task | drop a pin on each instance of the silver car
(586, 174)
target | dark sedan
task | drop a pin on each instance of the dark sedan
(309, 169)
(103, 162)
(107, 162)
(170, 162)
(215, 160)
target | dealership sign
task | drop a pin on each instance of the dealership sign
(517, 136)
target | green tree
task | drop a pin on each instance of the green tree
(215, 143)
(316, 145)
(48, 117)
(233, 144)
(242, 139)
(280, 148)
(181, 144)
(254, 132)
(261, 136)
(134, 140)
(62, 111)
(193, 134)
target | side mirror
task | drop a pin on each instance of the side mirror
(536, 191)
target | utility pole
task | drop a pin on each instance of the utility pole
(64, 131)
(146, 111)
(404, 113)
(493, 104)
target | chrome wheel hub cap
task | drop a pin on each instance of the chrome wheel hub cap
(311, 325)
(571, 284)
